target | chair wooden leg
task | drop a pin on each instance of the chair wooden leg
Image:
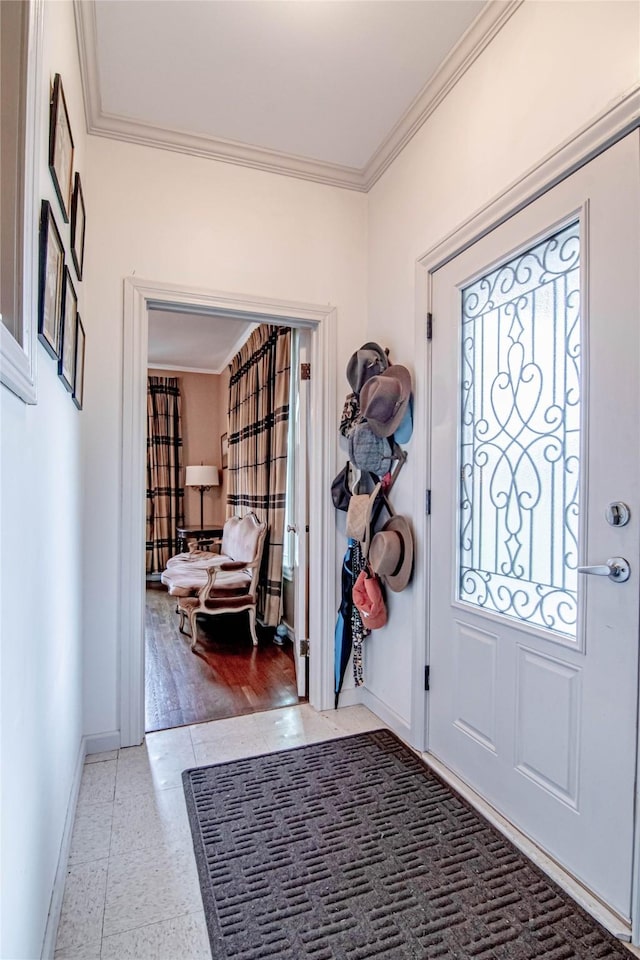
(252, 625)
(192, 622)
(181, 624)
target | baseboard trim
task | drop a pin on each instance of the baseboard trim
(392, 719)
(101, 742)
(57, 893)
(598, 910)
(350, 697)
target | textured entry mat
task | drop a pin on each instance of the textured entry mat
(353, 849)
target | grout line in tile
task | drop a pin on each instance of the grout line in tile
(152, 923)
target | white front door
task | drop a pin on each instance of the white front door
(535, 431)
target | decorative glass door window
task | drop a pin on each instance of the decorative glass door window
(520, 436)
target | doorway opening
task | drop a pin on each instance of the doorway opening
(318, 323)
(194, 358)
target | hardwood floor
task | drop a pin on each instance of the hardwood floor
(227, 678)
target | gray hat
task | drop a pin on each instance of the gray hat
(369, 452)
(385, 398)
(365, 363)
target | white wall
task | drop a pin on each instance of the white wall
(167, 217)
(41, 601)
(552, 68)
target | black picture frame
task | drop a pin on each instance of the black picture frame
(224, 451)
(78, 222)
(50, 282)
(78, 373)
(67, 361)
(60, 147)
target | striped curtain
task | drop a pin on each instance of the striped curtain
(165, 493)
(258, 426)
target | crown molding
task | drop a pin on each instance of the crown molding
(116, 127)
(237, 346)
(476, 38)
(176, 368)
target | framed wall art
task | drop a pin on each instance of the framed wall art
(78, 217)
(60, 147)
(22, 31)
(224, 451)
(78, 375)
(50, 282)
(67, 362)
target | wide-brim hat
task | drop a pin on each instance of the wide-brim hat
(403, 433)
(368, 451)
(365, 363)
(384, 399)
(391, 553)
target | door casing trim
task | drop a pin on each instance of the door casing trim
(321, 321)
(620, 119)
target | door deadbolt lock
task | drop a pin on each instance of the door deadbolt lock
(617, 514)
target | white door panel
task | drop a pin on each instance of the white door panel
(535, 667)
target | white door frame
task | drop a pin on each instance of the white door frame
(606, 129)
(321, 320)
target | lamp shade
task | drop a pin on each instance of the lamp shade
(202, 475)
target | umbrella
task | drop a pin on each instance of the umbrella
(343, 637)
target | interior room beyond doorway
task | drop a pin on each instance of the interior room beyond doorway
(228, 676)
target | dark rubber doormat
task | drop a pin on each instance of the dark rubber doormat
(353, 849)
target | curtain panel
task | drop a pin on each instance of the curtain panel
(258, 428)
(165, 492)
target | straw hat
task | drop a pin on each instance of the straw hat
(391, 553)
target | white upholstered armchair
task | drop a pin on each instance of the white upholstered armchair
(210, 584)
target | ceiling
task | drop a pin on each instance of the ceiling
(328, 90)
(192, 341)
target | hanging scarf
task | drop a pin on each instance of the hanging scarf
(358, 629)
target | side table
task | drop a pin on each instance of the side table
(196, 533)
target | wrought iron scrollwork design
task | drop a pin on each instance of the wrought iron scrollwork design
(520, 436)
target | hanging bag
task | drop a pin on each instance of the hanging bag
(369, 599)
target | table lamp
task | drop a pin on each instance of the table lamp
(203, 477)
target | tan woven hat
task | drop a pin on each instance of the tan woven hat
(359, 517)
(391, 553)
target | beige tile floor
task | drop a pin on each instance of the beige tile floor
(132, 888)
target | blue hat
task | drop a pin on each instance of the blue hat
(404, 431)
